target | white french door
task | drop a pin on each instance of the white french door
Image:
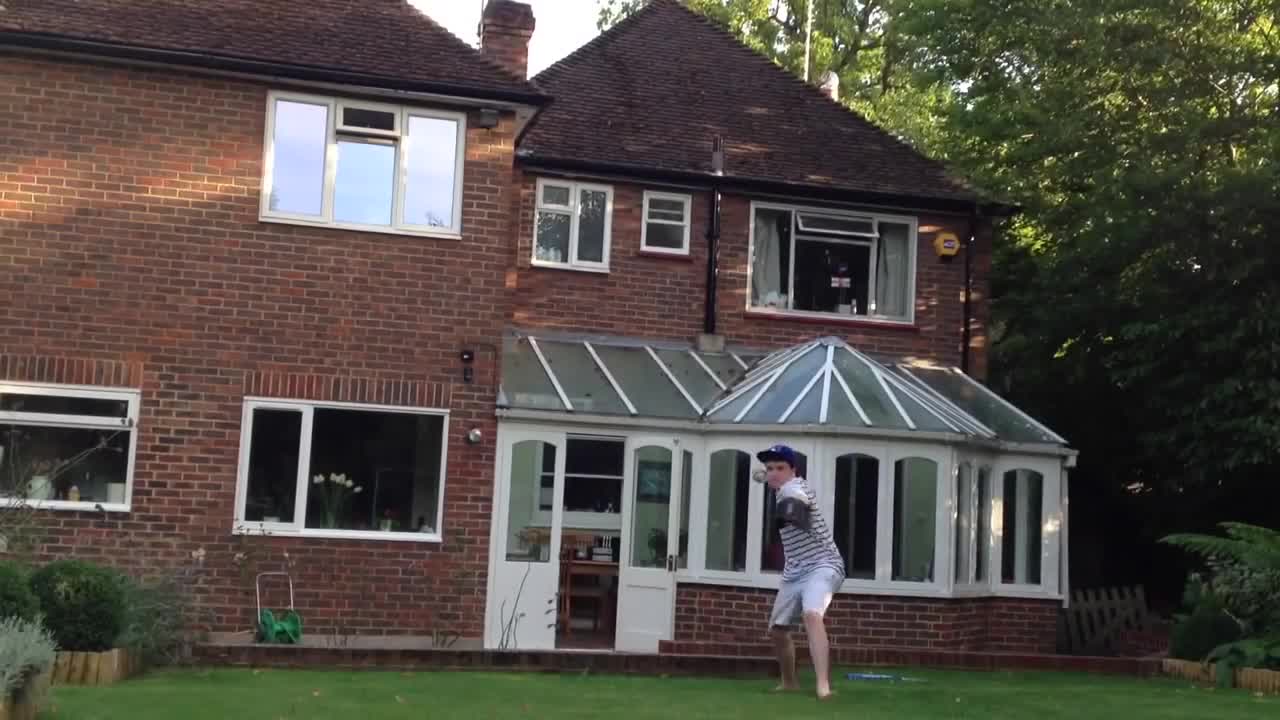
(654, 539)
(525, 572)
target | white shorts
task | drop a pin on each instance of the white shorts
(810, 594)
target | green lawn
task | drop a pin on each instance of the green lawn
(281, 695)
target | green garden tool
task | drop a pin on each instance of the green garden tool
(287, 629)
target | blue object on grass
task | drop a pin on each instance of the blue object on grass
(881, 676)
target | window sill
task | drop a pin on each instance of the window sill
(366, 535)
(665, 255)
(830, 319)
(373, 229)
(541, 264)
(66, 505)
(770, 581)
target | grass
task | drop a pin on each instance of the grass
(297, 695)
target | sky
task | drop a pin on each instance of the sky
(562, 25)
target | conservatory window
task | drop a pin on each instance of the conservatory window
(729, 488)
(1022, 512)
(915, 502)
(857, 490)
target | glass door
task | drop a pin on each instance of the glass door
(654, 540)
(522, 605)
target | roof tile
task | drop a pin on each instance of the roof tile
(386, 39)
(655, 90)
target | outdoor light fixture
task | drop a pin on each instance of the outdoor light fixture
(487, 118)
(468, 373)
(474, 436)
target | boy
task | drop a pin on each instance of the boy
(814, 570)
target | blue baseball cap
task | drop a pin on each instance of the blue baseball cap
(778, 452)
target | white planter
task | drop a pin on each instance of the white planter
(41, 488)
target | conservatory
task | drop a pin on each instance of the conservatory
(624, 486)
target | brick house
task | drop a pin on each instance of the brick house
(323, 282)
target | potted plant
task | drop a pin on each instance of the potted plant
(388, 522)
(334, 491)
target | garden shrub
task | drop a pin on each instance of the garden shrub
(1205, 626)
(156, 629)
(26, 650)
(16, 598)
(83, 604)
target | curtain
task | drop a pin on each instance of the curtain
(892, 271)
(766, 264)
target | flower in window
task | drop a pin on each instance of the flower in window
(335, 492)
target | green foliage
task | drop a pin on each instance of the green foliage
(83, 603)
(1244, 572)
(1255, 653)
(1205, 627)
(16, 598)
(26, 649)
(159, 619)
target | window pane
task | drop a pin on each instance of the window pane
(1022, 512)
(47, 463)
(771, 258)
(893, 259)
(915, 498)
(984, 525)
(667, 237)
(430, 169)
(528, 539)
(772, 558)
(365, 184)
(686, 494)
(644, 382)
(593, 475)
(832, 277)
(592, 207)
(663, 209)
(690, 375)
(376, 471)
(652, 508)
(983, 404)
(556, 195)
(552, 237)
(298, 143)
(524, 382)
(273, 466)
(372, 119)
(857, 503)
(588, 389)
(964, 522)
(63, 405)
(835, 225)
(730, 480)
(775, 401)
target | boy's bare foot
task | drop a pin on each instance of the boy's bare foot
(785, 689)
(825, 695)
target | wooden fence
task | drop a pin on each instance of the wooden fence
(1252, 679)
(1100, 621)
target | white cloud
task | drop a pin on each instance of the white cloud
(562, 25)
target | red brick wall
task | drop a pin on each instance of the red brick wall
(662, 297)
(729, 616)
(129, 234)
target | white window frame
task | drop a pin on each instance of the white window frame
(686, 202)
(86, 422)
(913, 241)
(1050, 532)
(403, 139)
(575, 194)
(298, 527)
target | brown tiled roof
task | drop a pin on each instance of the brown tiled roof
(374, 42)
(652, 92)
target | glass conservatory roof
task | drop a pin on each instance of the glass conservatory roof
(823, 383)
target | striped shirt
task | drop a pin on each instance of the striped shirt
(807, 550)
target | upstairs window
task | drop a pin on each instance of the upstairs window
(666, 223)
(364, 166)
(832, 262)
(572, 225)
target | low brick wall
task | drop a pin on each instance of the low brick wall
(729, 616)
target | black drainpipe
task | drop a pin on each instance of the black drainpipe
(713, 240)
(969, 244)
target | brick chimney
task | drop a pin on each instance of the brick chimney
(505, 30)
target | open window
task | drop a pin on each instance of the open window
(67, 447)
(832, 263)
